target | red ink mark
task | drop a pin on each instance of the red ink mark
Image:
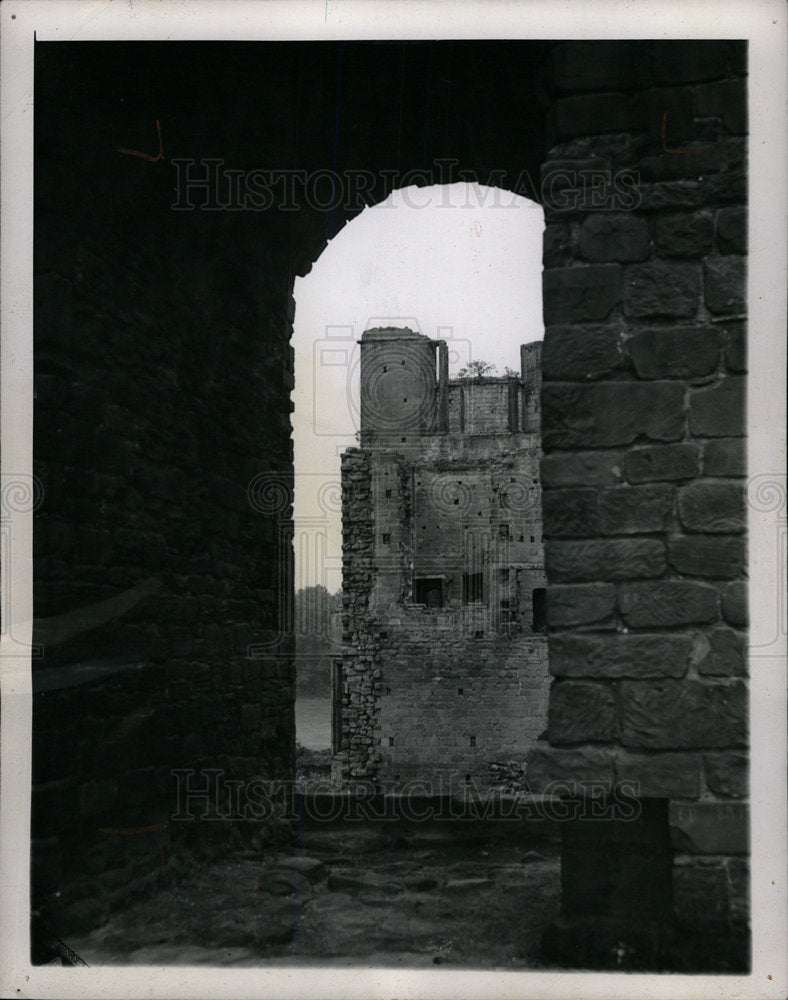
(145, 156)
(663, 129)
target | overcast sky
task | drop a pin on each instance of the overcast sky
(460, 263)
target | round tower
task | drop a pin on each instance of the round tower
(399, 386)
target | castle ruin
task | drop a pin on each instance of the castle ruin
(443, 678)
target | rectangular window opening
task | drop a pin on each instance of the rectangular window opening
(539, 603)
(428, 590)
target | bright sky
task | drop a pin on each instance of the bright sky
(461, 263)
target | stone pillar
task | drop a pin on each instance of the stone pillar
(643, 500)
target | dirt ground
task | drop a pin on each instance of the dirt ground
(348, 894)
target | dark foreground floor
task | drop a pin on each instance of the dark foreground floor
(366, 894)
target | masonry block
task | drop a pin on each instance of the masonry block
(54, 308)
(570, 513)
(550, 768)
(617, 655)
(684, 234)
(635, 509)
(721, 652)
(603, 65)
(724, 99)
(581, 468)
(734, 604)
(660, 775)
(46, 864)
(725, 457)
(675, 352)
(672, 195)
(592, 559)
(669, 105)
(97, 797)
(581, 712)
(668, 603)
(710, 506)
(739, 889)
(662, 463)
(720, 410)
(580, 294)
(569, 182)
(682, 714)
(698, 555)
(588, 114)
(704, 159)
(611, 413)
(581, 353)
(675, 63)
(732, 230)
(700, 897)
(725, 285)
(558, 245)
(579, 604)
(727, 774)
(611, 237)
(736, 347)
(659, 288)
(710, 827)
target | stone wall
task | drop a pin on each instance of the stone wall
(643, 429)
(163, 311)
(162, 543)
(485, 405)
(444, 669)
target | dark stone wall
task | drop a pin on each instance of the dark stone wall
(163, 375)
(643, 406)
(162, 379)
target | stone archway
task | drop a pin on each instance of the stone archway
(156, 411)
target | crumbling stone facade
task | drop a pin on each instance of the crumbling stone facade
(444, 673)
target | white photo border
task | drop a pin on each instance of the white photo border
(763, 23)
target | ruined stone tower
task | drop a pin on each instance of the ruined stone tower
(444, 670)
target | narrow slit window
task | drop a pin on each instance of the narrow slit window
(472, 588)
(539, 602)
